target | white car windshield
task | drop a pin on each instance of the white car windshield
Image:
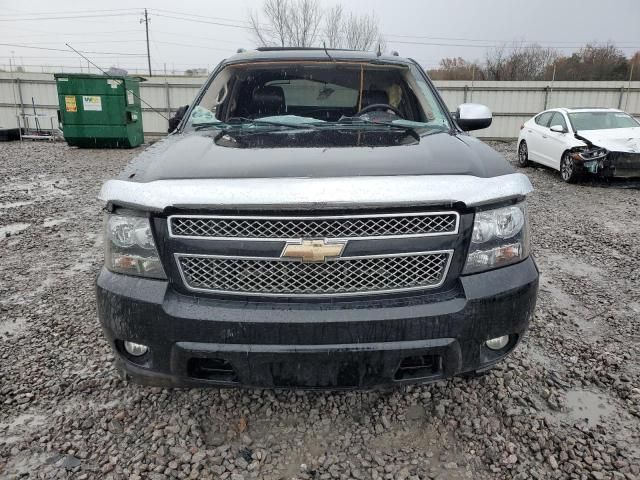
(601, 120)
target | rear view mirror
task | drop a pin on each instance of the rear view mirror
(557, 129)
(473, 116)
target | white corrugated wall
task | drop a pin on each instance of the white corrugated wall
(511, 102)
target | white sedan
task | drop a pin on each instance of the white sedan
(603, 141)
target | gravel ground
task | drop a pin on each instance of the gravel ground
(565, 405)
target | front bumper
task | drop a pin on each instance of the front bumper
(615, 164)
(356, 343)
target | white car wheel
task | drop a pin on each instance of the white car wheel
(568, 169)
(523, 154)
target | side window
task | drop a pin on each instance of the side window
(558, 119)
(432, 112)
(543, 119)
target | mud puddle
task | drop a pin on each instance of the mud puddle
(585, 405)
(572, 266)
(591, 408)
(9, 205)
(443, 456)
(52, 222)
(12, 326)
(569, 308)
(13, 229)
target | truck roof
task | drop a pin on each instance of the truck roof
(312, 54)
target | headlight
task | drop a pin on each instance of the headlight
(500, 237)
(129, 246)
(591, 154)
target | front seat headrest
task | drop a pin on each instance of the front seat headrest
(267, 101)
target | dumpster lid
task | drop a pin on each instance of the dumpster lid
(99, 76)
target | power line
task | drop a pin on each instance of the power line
(438, 44)
(26, 14)
(192, 46)
(198, 16)
(85, 41)
(202, 21)
(74, 34)
(484, 39)
(156, 50)
(128, 91)
(64, 50)
(196, 36)
(66, 17)
(59, 57)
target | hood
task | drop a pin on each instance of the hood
(307, 154)
(615, 139)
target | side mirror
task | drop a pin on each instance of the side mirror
(473, 116)
(558, 129)
(177, 117)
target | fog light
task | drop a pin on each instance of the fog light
(135, 349)
(498, 343)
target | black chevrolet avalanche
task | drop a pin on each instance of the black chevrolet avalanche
(318, 219)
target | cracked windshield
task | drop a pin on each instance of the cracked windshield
(319, 240)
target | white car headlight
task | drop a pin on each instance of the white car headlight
(129, 246)
(500, 237)
(592, 154)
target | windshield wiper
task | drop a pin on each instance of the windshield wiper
(257, 121)
(239, 122)
(356, 120)
(203, 126)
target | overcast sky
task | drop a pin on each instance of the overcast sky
(424, 30)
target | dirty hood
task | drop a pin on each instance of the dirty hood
(202, 156)
(615, 139)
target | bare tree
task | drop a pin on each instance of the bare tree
(299, 23)
(333, 20)
(305, 17)
(635, 65)
(362, 32)
(457, 68)
(276, 30)
(594, 62)
(495, 64)
(533, 62)
(523, 62)
(288, 23)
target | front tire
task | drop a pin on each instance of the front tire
(568, 169)
(523, 155)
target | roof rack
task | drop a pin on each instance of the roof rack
(285, 49)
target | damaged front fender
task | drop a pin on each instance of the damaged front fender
(590, 157)
(605, 159)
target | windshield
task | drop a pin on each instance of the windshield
(321, 94)
(601, 120)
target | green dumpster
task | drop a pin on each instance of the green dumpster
(99, 111)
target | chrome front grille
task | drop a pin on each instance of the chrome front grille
(342, 276)
(343, 226)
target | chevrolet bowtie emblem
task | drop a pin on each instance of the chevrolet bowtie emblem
(313, 251)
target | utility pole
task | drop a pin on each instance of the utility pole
(626, 102)
(146, 27)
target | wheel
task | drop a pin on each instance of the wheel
(568, 169)
(523, 154)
